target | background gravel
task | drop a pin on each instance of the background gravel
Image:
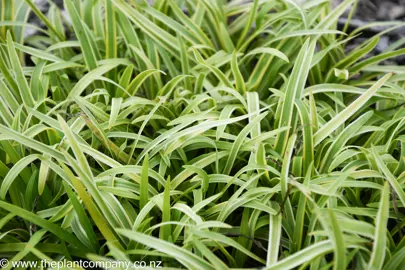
(367, 11)
(379, 10)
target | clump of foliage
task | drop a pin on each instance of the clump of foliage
(207, 134)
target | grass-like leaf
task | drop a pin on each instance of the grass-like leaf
(201, 134)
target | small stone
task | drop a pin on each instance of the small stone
(397, 12)
(383, 44)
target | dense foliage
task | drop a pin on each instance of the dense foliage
(206, 134)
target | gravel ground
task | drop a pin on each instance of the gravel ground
(367, 11)
(379, 10)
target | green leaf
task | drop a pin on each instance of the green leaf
(294, 90)
(274, 240)
(20, 78)
(239, 141)
(87, 79)
(239, 81)
(14, 172)
(339, 119)
(380, 238)
(115, 109)
(270, 51)
(85, 43)
(144, 183)
(51, 227)
(184, 256)
(389, 176)
(338, 242)
(306, 255)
